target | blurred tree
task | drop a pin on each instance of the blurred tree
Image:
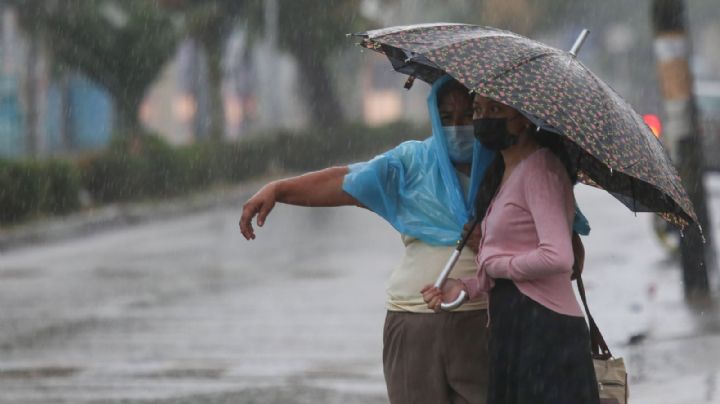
(312, 32)
(521, 16)
(210, 22)
(516, 15)
(121, 45)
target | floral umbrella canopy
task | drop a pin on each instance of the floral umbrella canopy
(613, 147)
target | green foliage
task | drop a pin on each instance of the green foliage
(20, 190)
(142, 167)
(31, 188)
(139, 167)
(213, 162)
(312, 31)
(133, 167)
(318, 28)
(319, 148)
(210, 21)
(61, 187)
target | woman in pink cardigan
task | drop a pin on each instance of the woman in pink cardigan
(539, 344)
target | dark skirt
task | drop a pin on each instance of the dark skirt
(537, 356)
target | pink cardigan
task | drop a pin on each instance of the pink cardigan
(526, 235)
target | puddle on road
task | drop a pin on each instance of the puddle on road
(20, 273)
(121, 272)
(187, 373)
(38, 372)
(315, 273)
(295, 394)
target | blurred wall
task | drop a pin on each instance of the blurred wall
(62, 110)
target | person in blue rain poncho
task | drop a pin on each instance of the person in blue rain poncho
(426, 190)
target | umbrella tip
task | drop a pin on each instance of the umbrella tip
(579, 42)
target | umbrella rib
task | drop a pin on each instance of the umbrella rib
(634, 163)
(606, 87)
(461, 39)
(600, 83)
(522, 62)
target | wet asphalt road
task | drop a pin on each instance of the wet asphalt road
(184, 310)
(187, 311)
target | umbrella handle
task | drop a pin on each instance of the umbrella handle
(455, 304)
(443, 277)
(449, 266)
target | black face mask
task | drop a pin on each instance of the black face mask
(493, 133)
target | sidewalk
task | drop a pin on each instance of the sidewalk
(635, 292)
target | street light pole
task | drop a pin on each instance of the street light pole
(682, 137)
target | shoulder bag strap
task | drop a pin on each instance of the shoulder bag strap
(598, 347)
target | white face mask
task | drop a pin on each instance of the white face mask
(460, 142)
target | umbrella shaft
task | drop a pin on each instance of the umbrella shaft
(448, 267)
(456, 254)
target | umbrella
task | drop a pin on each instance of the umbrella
(613, 147)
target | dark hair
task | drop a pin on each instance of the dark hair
(450, 86)
(489, 187)
(495, 171)
(561, 148)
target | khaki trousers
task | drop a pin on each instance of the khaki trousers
(436, 358)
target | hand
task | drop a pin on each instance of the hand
(260, 204)
(434, 296)
(473, 241)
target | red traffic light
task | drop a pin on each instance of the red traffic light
(653, 121)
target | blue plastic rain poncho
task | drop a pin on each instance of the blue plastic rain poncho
(415, 187)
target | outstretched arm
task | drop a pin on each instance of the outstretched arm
(318, 188)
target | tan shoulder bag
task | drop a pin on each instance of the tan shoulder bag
(609, 371)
